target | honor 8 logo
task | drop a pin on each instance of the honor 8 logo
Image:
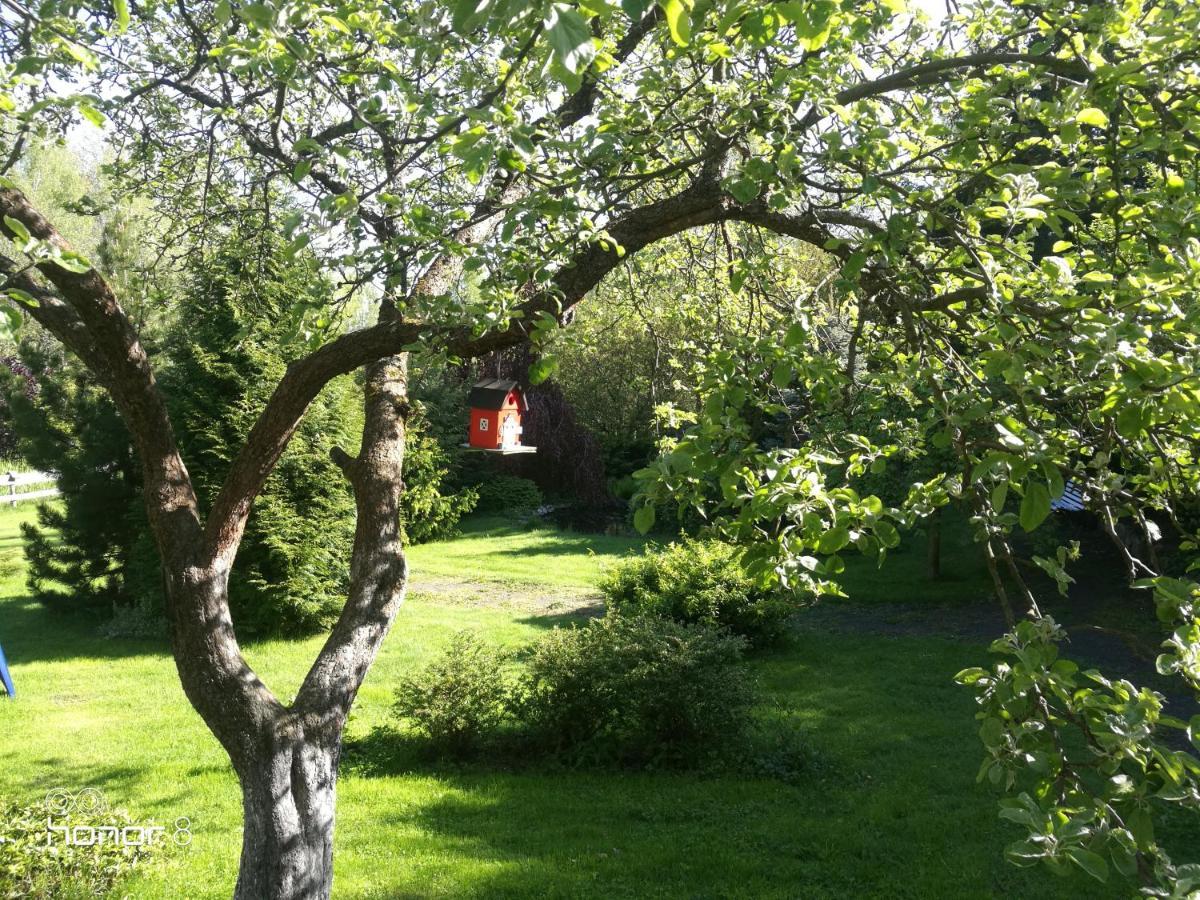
(91, 803)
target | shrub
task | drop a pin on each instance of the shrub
(698, 582)
(31, 867)
(508, 494)
(636, 691)
(135, 622)
(460, 699)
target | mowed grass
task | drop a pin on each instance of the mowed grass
(500, 551)
(904, 575)
(890, 807)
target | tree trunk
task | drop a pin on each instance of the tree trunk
(288, 801)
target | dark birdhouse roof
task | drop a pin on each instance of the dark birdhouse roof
(491, 393)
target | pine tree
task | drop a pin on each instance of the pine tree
(79, 549)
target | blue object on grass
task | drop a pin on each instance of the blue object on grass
(5, 678)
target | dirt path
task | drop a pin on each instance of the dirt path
(538, 599)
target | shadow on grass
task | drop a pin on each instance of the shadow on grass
(579, 616)
(116, 783)
(561, 547)
(31, 633)
(609, 835)
(579, 540)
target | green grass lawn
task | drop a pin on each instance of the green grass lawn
(904, 575)
(497, 550)
(891, 809)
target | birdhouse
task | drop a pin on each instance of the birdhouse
(497, 409)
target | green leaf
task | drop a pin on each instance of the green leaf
(295, 245)
(813, 21)
(1092, 863)
(260, 15)
(643, 519)
(743, 189)
(991, 732)
(635, 9)
(1008, 437)
(1091, 116)
(542, 369)
(1054, 479)
(1035, 505)
(999, 496)
(20, 233)
(20, 296)
(337, 24)
(10, 321)
(679, 20)
(971, 676)
(468, 14)
(121, 8)
(1141, 826)
(1133, 420)
(887, 534)
(92, 114)
(570, 38)
(834, 540)
(72, 262)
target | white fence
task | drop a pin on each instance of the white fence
(15, 480)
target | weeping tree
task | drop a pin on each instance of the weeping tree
(1008, 196)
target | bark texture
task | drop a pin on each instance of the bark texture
(288, 801)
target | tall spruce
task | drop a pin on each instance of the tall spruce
(80, 548)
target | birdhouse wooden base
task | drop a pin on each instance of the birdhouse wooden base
(503, 451)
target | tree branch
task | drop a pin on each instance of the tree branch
(938, 70)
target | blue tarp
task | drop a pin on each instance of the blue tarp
(5, 678)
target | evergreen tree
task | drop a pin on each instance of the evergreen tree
(79, 550)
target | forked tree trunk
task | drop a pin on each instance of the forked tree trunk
(286, 758)
(289, 774)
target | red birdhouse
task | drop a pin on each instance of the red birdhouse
(497, 408)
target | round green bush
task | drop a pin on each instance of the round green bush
(700, 582)
(626, 691)
(637, 691)
(508, 494)
(459, 700)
